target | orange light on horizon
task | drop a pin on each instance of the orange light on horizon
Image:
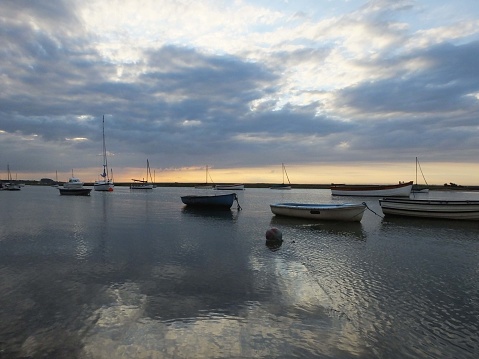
(353, 173)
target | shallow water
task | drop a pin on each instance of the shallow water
(135, 274)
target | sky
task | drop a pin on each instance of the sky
(340, 91)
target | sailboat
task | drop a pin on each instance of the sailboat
(143, 184)
(417, 188)
(56, 180)
(106, 183)
(283, 185)
(10, 185)
(206, 185)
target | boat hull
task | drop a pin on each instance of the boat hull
(104, 186)
(219, 201)
(428, 208)
(141, 186)
(75, 191)
(420, 190)
(11, 187)
(328, 212)
(399, 190)
(239, 187)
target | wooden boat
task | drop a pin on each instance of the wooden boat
(330, 212)
(212, 201)
(143, 184)
(416, 188)
(74, 191)
(399, 190)
(430, 208)
(237, 186)
(206, 185)
(106, 183)
(283, 186)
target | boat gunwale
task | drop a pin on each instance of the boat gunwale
(324, 206)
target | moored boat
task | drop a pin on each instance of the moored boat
(106, 183)
(416, 188)
(283, 186)
(431, 208)
(206, 185)
(214, 201)
(399, 190)
(74, 187)
(10, 185)
(143, 184)
(331, 212)
(73, 182)
(237, 186)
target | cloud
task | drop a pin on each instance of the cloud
(235, 83)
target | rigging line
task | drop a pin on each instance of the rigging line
(422, 172)
(284, 171)
(237, 202)
(372, 210)
(211, 179)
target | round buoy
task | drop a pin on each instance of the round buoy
(274, 234)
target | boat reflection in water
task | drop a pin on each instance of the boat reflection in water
(211, 213)
(342, 229)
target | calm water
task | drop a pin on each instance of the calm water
(133, 274)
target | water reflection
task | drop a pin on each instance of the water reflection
(350, 229)
(222, 214)
(429, 223)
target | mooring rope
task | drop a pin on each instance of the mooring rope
(372, 210)
(238, 207)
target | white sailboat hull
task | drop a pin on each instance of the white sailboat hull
(428, 208)
(105, 186)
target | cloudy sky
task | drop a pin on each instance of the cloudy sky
(344, 91)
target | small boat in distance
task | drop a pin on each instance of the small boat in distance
(237, 186)
(10, 185)
(206, 185)
(416, 188)
(283, 185)
(430, 208)
(224, 201)
(143, 184)
(329, 212)
(106, 183)
(402, 189)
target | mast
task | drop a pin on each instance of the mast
(105, 161)
(416, 170)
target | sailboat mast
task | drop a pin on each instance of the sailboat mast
(416, 170)
(105, 160)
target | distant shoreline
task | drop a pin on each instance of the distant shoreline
(268, 185)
